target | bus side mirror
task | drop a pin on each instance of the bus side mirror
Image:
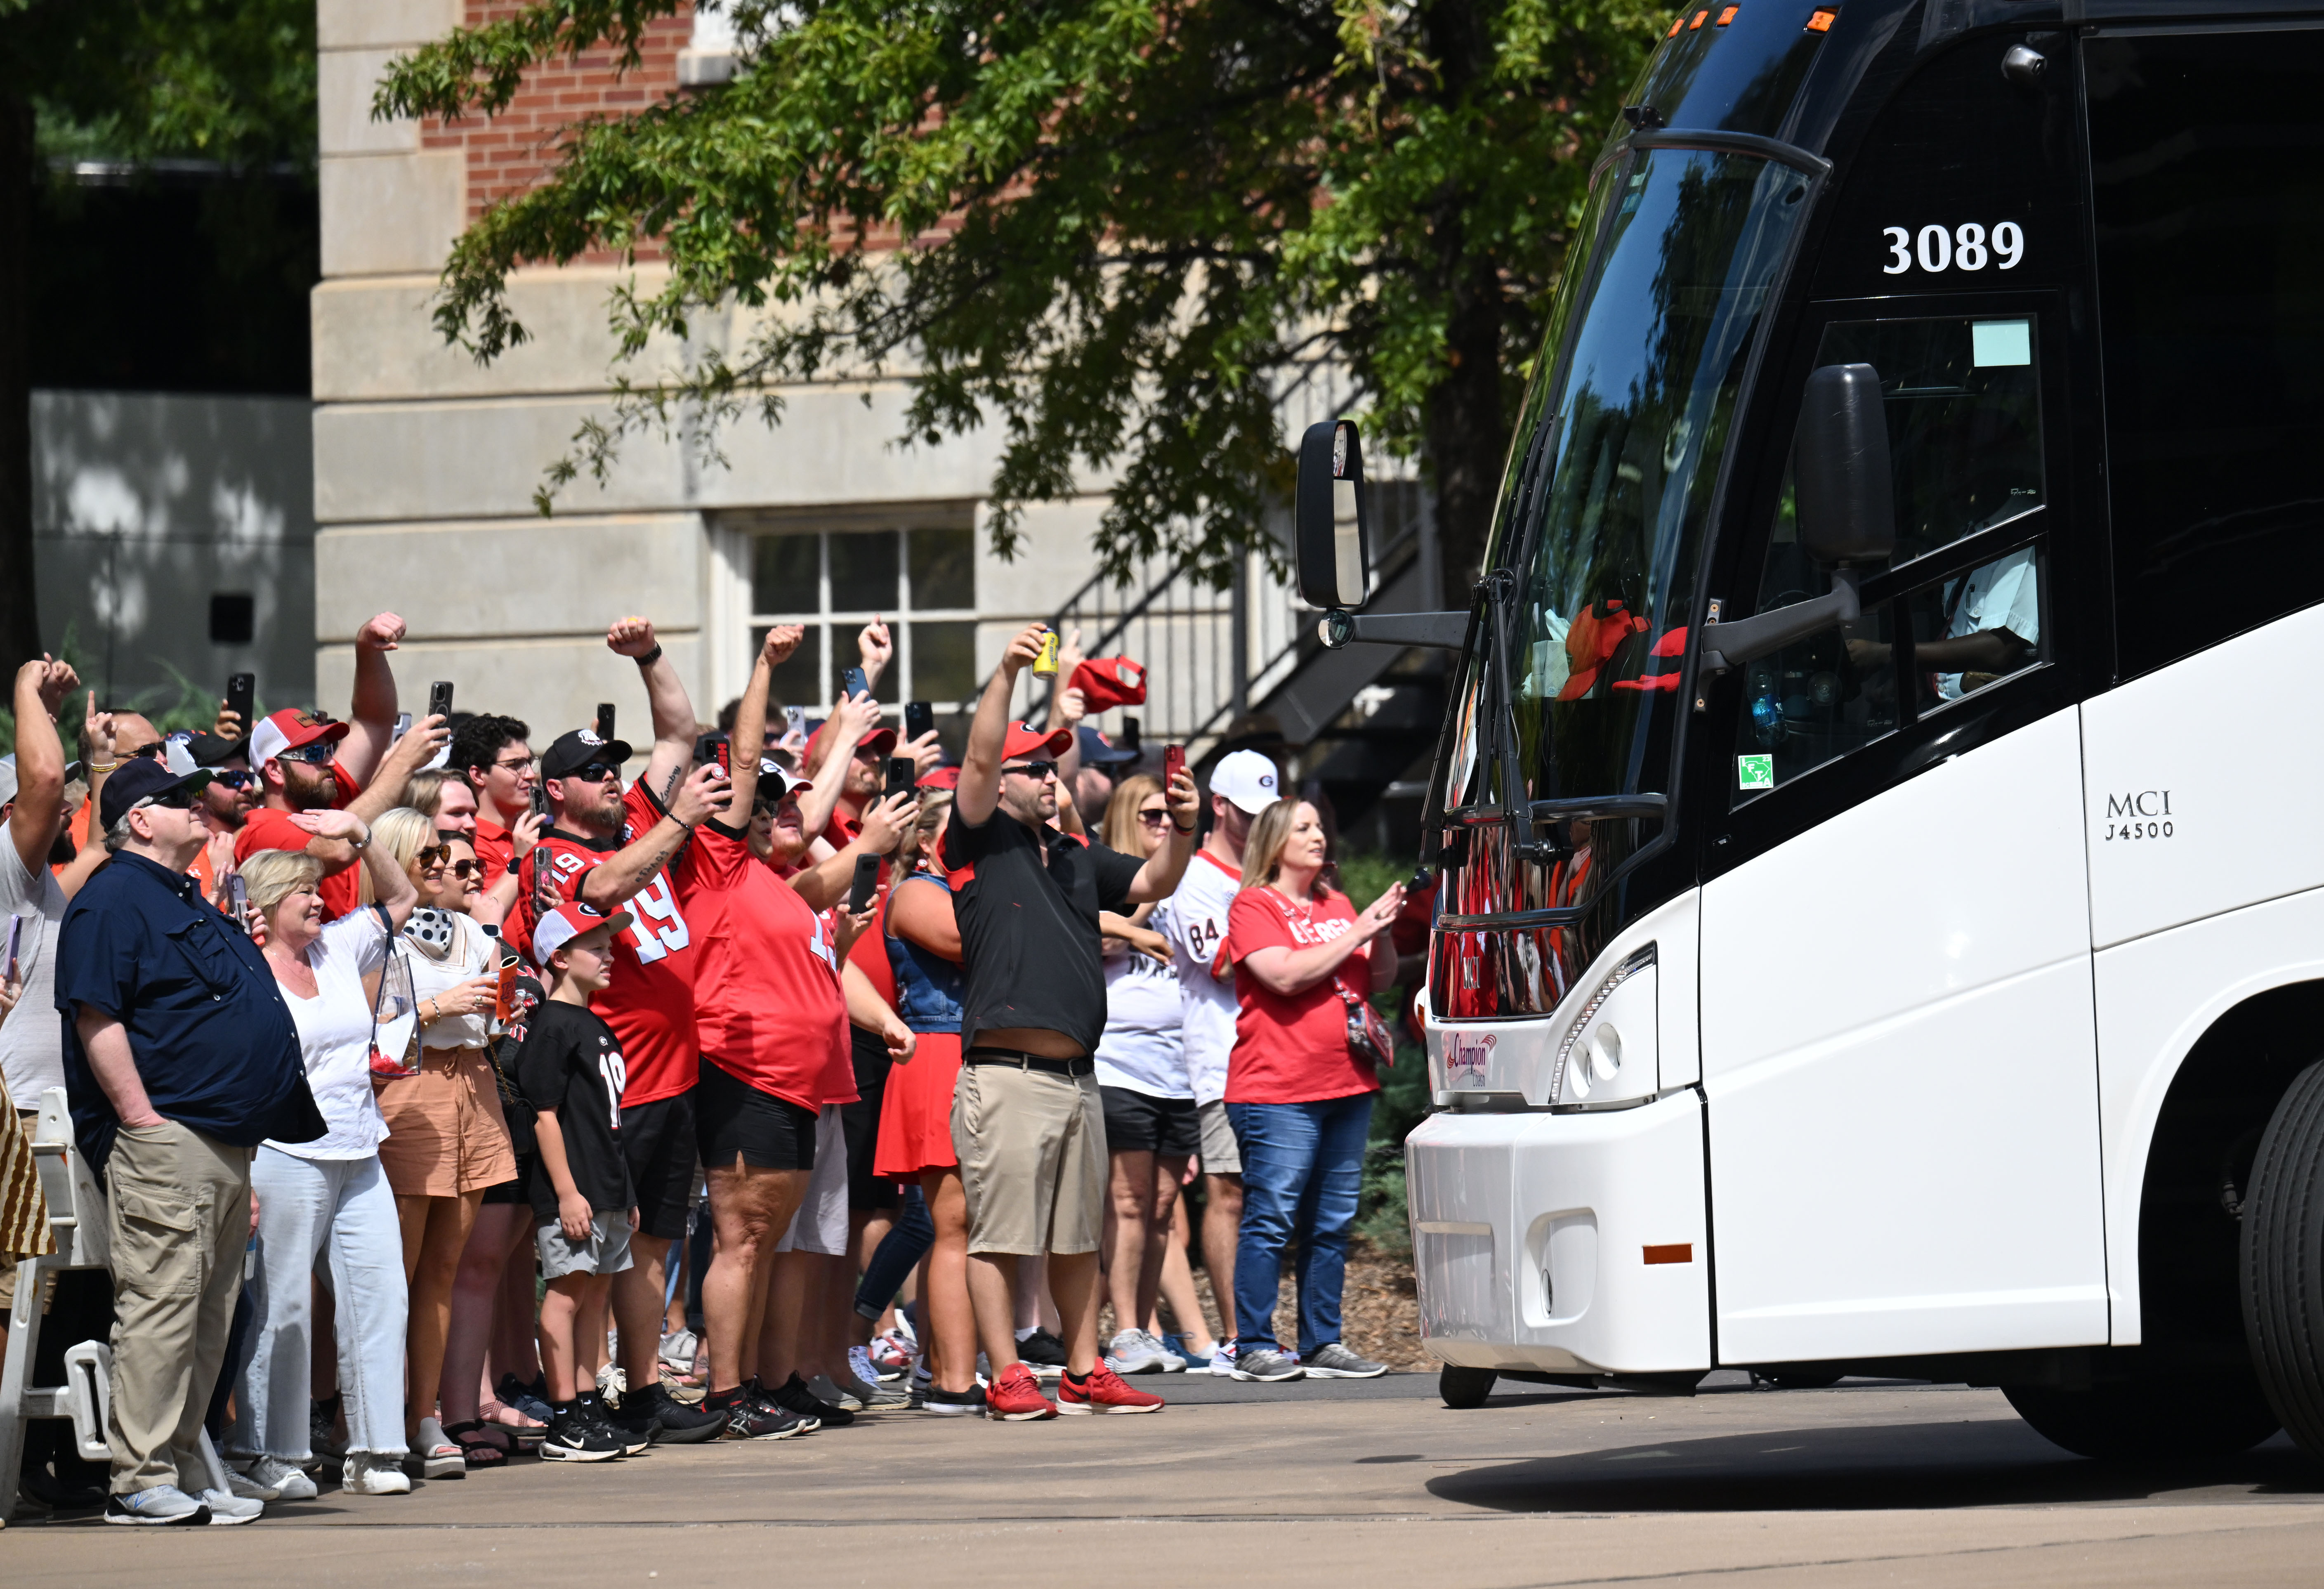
(1846, 501)
(1332, 517)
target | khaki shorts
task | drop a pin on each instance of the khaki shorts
(1032, 1159)
(1222, 1151)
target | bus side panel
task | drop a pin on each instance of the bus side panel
(2197, 781)
(2156, 997)
(1899, 1054)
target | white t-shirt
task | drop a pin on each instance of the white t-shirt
(2004, 594)
(1198, 925)
(335, 1039)
(1140, 1048)
(33, 1037)
(467, 956)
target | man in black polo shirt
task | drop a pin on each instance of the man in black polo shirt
(180, 1057)
(1026, 1118)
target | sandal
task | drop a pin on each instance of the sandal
(477, 1447)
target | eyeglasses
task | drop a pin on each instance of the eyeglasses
(519, 765)
(1155, 818)
(148, 753)
(593, 772)
(176, 799)
(318, 754)
(231, 778)
(1036, 771)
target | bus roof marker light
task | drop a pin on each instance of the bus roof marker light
(1726, 16)
(1821, 19)
(1675, 26)
(1700, 18)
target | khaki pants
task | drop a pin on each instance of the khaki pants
(177, 1206)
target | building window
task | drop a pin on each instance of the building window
(233, 619)
(922, 581)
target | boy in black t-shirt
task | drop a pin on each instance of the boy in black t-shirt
(571, 1070)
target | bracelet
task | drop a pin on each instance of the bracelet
(360, 844)
(1183, 832)
(651, 656)
(104, 766)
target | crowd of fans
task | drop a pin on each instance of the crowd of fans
(454, 1100)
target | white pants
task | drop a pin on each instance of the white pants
(306, 1207)
(821, 1223)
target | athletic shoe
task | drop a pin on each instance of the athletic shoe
(677, 1349)
(795, 1394)
(532, 1400)
(271, 1478)
(862, 1368)
(610, 1380)
(678, 1424)
(574, 1435)
(968, 1403)
(825, 1389)
(226, 1509)
(1042, 1353)
(1134, 1351)
(161, 1505)
(891, 1354)
(1223, 1356)
(763, 1399)
(921, 1382)
(323, 1430)
(1103, 1392)
(1264, 1364)
(433, 1456)
(374, 1473)
(1015, 1397)
(870, 1395)
(634, 1433)
(1190, 1360)
(1335, 1361)
(750, 1419)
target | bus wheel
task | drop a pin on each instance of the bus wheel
(2156, 1417)
(1464, 1387)
(2282, 1260)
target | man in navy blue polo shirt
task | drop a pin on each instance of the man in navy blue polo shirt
(180, 1057)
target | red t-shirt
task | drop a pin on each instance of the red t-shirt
(270, 829)
(768, 1008)
(1293, 1050)
(650, 1003)
(493, 848)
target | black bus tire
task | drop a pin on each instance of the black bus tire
(2157, 1417)
(2283, 1261)
(1465, 1388)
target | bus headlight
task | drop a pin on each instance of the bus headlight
(1607, 1054)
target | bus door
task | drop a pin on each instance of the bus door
(1898, 1052)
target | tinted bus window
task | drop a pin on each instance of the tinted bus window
(2207, 172)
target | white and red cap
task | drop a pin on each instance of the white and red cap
(288, 730)
(569, 920)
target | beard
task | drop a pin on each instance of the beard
(307, 790)
(62, 851)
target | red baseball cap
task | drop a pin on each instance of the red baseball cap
(569, 920)
(942, 777)
(1107, 682)
(1024, 740)
(881, 741)
(289, 729)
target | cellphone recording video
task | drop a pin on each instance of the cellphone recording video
(439, 698)
(1174, 761)
(865, 884)
(919, 717)
(903, 775)
(240, 698)
(852, 683)
(605, 721)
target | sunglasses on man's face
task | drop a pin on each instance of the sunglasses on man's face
(176, 799)
(317, 755)
(148, 753)
(1036, 771)
(229, 778)
(593, 772)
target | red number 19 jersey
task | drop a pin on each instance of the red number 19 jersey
(649, 1002)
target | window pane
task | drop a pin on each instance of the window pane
(2209, 211)
(943, 661)
(943, 567)
(1963, 403)
(795, 680)
(863, 572)
(783, 574)
(1970, 630)
(1814, 702)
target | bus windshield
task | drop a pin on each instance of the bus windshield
(1608, 494)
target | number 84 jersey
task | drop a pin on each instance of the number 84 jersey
(649, 1002)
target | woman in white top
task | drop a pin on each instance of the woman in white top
(1150, 1125)
(329, 1194)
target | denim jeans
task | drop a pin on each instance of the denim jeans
(305, 1206)
(1302, 1165)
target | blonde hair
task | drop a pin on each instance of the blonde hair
(424, 793)
(1121, 829)
(1262, 852)
(934, 804)
(402, 834)
(273, 876)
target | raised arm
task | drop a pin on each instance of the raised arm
(979, 791)
(672, 710)
(1158, 878)
(40, 810)
(747, 744)
(390, 884)
(371, 713)
(851, 717)
(702, 796)
(825, 881)
(406, 756)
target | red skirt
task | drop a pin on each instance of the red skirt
(915, 1111)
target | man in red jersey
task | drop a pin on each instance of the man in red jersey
(609, 848)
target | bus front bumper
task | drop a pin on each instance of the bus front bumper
(1563, 1244)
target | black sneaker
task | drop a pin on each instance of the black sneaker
(760, 1397)
(1042, 1353)
(680, 1424)
(968, 1403)
(793, 1394)
(574, 1436)
(635, 1432)
(749, 1418)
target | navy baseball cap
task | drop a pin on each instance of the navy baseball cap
(1097, 751)
(142, 782)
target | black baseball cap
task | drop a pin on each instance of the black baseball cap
(208, 750)
(574, 751)
(140, 782)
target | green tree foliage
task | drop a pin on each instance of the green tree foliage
(1127, 226)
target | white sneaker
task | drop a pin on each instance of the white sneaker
(677, 1349)
(374, 1473)
(227, 1509)
(1223, 1354)
(612, 1382)
(155, 1504)
(1134, 1351)
(436, 1457)
(286, 1481)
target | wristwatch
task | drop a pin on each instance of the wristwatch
(651, 656)
(360, 844)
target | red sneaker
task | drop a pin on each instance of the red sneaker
(1015, 1396)
(1103, 1392)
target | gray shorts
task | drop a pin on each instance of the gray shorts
(821, 1223)
(606, 1251)
(1221, 1152)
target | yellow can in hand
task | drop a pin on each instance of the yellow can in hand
(1045, 664)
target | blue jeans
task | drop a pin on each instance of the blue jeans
(1302, 1165)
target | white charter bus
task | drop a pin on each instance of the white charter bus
(1877, 932)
